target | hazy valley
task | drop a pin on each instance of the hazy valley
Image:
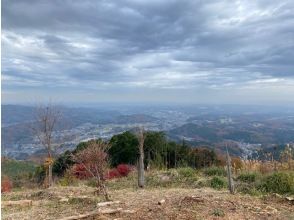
(249, 129)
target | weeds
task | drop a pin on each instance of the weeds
(218, 182)
(218, 213)
(281, 182)
(215, 171)
(247, 177)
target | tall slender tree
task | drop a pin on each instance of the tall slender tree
(44, 126)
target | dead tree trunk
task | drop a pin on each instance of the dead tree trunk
(50, 176)
(141, 179)
(229, 172)
(102, 189)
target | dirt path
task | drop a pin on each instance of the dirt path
(178, 203)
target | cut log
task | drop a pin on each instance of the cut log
(96, 213)
(110, 211)
(101, 204)
(161, 202)
(83, 216)
(290, 199)
(127, 211)
(63, 200)
(22, 203)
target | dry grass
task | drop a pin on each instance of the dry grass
(266, 166)
(179, 204)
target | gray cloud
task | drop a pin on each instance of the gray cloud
(179, 47)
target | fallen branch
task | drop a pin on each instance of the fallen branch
(21, 203)
(197, 199)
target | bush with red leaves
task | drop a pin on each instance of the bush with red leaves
(120, 171)
(80, 172)
(6, 184)
(113, 173)
(124, 169)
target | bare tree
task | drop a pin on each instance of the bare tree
(44, 126)
(229, 172)
(94, 158)
(141, 179)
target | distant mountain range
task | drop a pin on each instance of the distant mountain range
(203, 126)
(16, 120)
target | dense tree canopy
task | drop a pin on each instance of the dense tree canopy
(159, 153)
(124, 149)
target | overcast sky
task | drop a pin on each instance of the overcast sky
(184, 51)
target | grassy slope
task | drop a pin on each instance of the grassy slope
(14, 168)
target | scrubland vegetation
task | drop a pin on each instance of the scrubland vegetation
(169, 167)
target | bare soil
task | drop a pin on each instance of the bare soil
(179, 203)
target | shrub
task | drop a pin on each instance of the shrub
(187, 176)
(215, 171)
(247, 177)
(62, 163)
(67, 180)
(20, 173)
(202, 183)
(186, 172)
(40, 174)
(91, 183)
(217, 182)
(80, 172)
(124, 169)
(6, 185)
(281, 182)
(248, 188)
(113, 173)
(218, 212)
(121, 170)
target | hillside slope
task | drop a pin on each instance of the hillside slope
(180, 203)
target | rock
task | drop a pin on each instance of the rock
(164, 178)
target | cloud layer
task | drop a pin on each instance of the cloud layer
(153, 50)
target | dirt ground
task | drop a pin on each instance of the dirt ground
(179, 203)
